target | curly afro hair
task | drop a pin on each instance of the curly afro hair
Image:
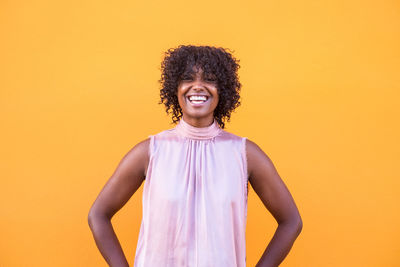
(214, 61)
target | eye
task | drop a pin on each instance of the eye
(210, 79)
(186, 78)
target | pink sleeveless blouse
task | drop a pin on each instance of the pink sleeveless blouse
(194, 199)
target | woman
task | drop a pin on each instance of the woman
(196, 176)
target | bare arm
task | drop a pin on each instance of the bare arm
(275, 196)
(123, 183)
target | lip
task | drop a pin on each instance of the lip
(207, 96)
(197, 104)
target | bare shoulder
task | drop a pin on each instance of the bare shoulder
(142, 145)
(141, 148)
(139, 155)
(252, 147)
(257, 158)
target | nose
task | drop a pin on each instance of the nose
(198, 89)
(198, 84)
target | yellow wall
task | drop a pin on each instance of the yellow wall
(321, 80)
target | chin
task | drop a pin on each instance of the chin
(197, 115)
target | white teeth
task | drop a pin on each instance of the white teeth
(197, 98)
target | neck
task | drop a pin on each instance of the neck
(200, 133)
(199, 122)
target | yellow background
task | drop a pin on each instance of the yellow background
(79, 88)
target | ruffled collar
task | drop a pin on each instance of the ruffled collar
(202, 133)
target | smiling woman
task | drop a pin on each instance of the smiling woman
(209, 70)
(198, 99)
(195, 176)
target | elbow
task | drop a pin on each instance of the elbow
(93, 217)
(293, 225)
(298, 225)
(90, 218)
(98, 215)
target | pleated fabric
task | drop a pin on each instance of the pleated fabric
(194, 199)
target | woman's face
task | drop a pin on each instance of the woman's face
(198, 98)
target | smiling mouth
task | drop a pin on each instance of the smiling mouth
(198, 99)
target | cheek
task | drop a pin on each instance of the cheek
(216, 96)
(180, 94)
(216, 101)
(181, 100)
(181, 91)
